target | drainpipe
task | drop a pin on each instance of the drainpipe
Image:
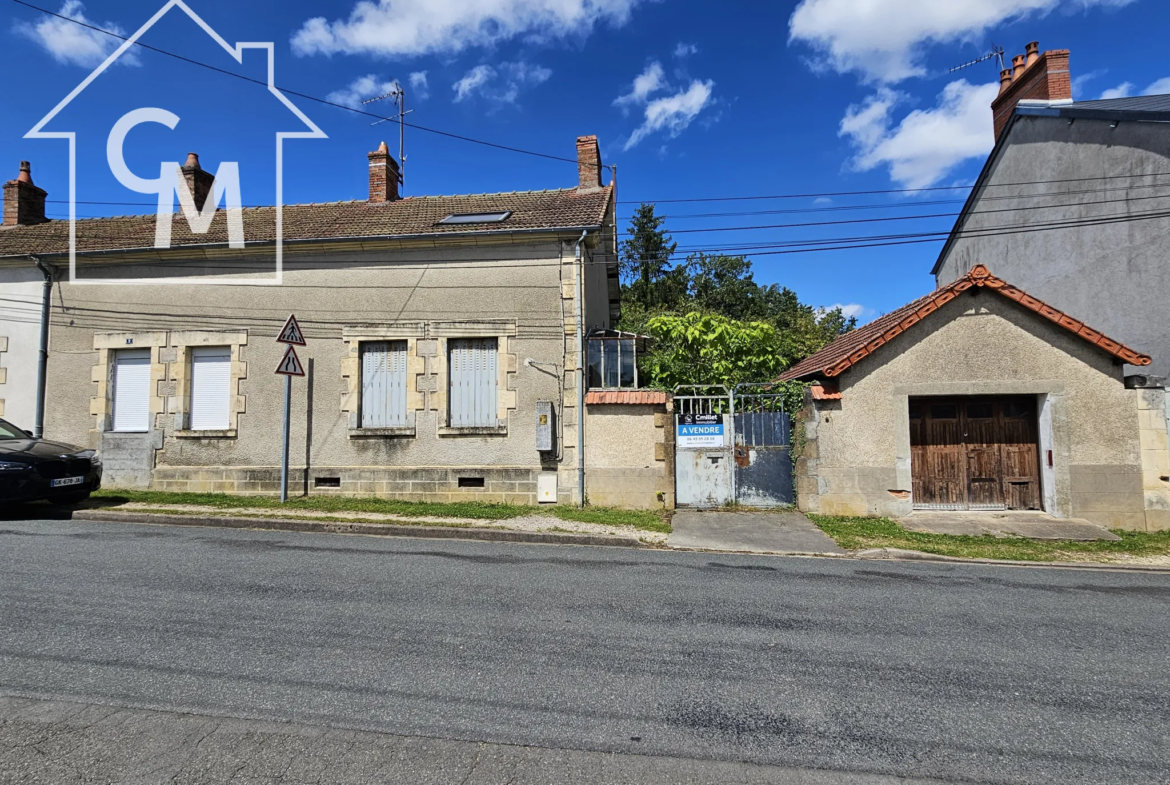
(43, 361)
(580, 265)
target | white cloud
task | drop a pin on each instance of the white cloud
(73, 44)
(822, 200)
(673, 113)
(1160, 87)
(360, 89)
(684, 49)
(1123, 90)
(502, 83)
(418, 27)
(646, 83)
(928, 143)
(882, 39)
(418, 83)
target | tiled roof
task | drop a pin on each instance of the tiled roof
(852, 347)
(626, 396)
(1136, 103)
(531, 210)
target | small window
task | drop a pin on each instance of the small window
(383, 402)
(944, 411)
(477, 218)
(211, 382)
(326, 482)
(471, 482)
(1017, 410)
(979, 411)
(473, 399)
(613, 363)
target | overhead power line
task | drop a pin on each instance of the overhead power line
(298, 94)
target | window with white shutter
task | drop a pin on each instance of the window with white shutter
(211, 388)
(473, 398)
(131, 394)
(383, 399)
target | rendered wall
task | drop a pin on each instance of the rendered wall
(629, 460)
(20, 340)
(514, 291)
(1112, 275)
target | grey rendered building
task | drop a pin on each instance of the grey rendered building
(442, 334)
(1073, 206)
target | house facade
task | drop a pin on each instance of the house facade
(980, 396)
(442, 341)
(1072, 204)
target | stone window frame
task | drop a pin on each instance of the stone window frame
(178, 358)
(101, 405)
(506, 367)
(353, 336)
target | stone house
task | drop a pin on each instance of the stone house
(980, 396)
(442, 331)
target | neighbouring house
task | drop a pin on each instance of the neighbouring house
(442, 357)
(21, 297)
(1072, 204)
(980, 396)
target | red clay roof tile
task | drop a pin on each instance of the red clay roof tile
(627, 396)
(853, 347)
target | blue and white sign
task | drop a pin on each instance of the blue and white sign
(700, 430)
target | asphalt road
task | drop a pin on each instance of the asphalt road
(953, 672)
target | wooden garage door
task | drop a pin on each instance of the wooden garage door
(975, 453)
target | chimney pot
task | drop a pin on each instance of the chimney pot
(1018, 66)
(199, 182)
(192, 161)
(1032, 52)
(24, 203)
(588, 162)
(384, 176)
(1005, 80)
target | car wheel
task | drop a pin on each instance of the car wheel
(70, 499)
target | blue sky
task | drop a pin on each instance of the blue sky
(690, 100)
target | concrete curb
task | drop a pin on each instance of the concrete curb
(898, 554)
(350, 527)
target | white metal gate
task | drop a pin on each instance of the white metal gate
(702, 455)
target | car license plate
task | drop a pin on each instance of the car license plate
(66, 481)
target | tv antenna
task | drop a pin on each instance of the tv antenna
(398, 96)
(996, 52)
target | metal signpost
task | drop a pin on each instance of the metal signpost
(290, 366)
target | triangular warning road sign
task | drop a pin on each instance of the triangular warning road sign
(291, 332)
(291, 364)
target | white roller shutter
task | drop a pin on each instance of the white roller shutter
(211, 388)
(132, 390)
(473, 383)
(384, 384)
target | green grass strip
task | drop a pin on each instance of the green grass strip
(862, 533)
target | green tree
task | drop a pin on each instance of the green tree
(652, 281)
(706, 348)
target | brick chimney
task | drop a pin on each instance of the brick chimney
(199, 182)
(24, 203)
(1034, 76)
(384, 176)
(588, 162)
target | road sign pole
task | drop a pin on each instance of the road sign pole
(284, 450)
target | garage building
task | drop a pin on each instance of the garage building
(981, 397)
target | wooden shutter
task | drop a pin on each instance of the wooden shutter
(131, 397)
(211, 382)
(473, 383)
(384, 384)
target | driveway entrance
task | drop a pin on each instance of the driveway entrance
(752, 532)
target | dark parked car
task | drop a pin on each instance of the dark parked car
(33, 469)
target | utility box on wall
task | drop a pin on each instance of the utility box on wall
(546, 488)
(544, 426)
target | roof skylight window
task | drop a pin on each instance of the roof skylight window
(476, 218)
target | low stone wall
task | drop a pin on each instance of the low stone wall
(629, 450)
(509, 485)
